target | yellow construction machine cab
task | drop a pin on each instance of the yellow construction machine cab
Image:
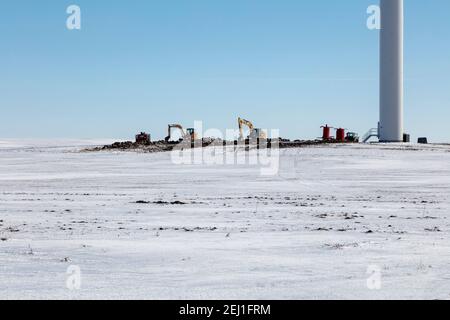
(190, 132)
(254, 133)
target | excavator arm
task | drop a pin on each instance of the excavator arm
(242, 123)
(174, 126)
(253, 133)
(185, 134)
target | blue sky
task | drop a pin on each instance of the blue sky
(141, 64)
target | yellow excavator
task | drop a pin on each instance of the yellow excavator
(188, 134)
(255, 133)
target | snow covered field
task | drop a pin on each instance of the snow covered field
(138, 226)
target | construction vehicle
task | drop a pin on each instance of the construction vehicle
(254, 133)
(189, 134)
(352, 137)
(143, 138)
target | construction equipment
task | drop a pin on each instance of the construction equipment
(352, 137)
(326, 136)
(406, 138)
(254, 133)
(189, 134)
(422, 140)
(340, 135)
(143, 138)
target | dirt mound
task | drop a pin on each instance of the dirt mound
(164, 146)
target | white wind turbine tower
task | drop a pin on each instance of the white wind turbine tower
(391, 71)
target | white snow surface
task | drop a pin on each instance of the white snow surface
(310, 232)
